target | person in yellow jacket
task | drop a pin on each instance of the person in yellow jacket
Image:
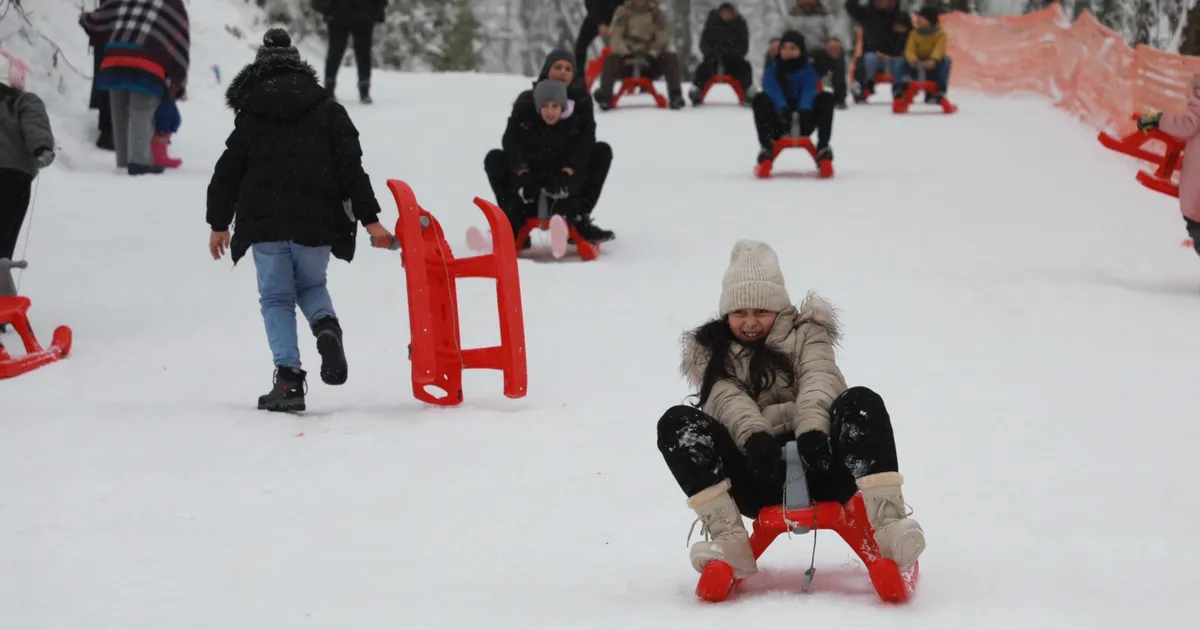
(926, 50)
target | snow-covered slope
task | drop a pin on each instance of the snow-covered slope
(1019, 301)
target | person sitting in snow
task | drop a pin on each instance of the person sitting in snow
(290, 167)
(579, 113)
(884, 32)
(724, 43)
(790, 87)
(547, 150)
(926, 52)
(639, 36)
(811, 19)
(1184, 125)
(765, 373)
(167, 121)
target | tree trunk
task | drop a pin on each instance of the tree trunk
(1190, 44)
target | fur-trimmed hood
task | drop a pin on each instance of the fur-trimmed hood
(813, 311)
(277, 88)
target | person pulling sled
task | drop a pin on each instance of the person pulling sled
(766, 374)
(290, 167)
(791, 93)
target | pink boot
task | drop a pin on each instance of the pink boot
(158, 148)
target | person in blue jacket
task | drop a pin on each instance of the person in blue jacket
(791, 85)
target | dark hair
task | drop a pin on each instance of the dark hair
(767, 364)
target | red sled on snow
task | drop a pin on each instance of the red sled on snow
(431, 272)
(634, 85)
(901, 105)
(595, 67)
(880, 79)
(849, 521)
(720, 78)
(763, 170)
(14, 312)
(1166, 164)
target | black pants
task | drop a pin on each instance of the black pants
(15, 189)
(1193, 230)
(501, 177)
(700, 452)
(771, 126)
(735, 67)
(587, 34)
(339, 35)
(836, 68)
(100, 99)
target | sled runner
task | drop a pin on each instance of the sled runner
(595, 67)
(636, 83)
(431, 272)
(901, 105)
(562, 234)
(1167, 164)
(720, 78)
(13, 311)
(799, 515)
(794, 141)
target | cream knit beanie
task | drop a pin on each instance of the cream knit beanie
(753, 280)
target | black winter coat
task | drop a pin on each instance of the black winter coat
(292, 159)
(351, 12)
(602, 10)
(877, 27)
(529, 143)
(721, 39)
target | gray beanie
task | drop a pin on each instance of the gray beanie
(753, 280)
(547, 91)
(277, 45)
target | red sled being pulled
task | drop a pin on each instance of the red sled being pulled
(799, 515)
(14, 311)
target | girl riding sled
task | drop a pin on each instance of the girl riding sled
(776, 380)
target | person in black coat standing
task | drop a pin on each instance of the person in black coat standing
(351, 19)
(599, 15)
(724, 44)
(292, 177)
(591, 159)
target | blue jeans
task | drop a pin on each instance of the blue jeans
(872, 64)
(940, 73)
(290, 274)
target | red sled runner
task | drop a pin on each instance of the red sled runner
(901, 105)
(763, 170)
(13, 311)
(1166, 165)
(849, 521)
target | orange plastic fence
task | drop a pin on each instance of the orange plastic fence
(1086, 68)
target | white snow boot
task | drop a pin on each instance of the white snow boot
(725, 536)
(900, 538)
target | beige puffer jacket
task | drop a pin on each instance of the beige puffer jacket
(639, 30)
(808, 335)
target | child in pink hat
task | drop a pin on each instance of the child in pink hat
(26, 147)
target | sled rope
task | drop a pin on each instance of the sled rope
(25, 250)
(791, 525)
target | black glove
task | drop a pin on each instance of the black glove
(43, 157)
(526, 187)
(813, 447)
(764, 456)
(564, 184)
(1148, 121)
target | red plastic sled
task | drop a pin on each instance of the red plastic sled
(1167, 164)
(880, 79)
(724, 79)
(595, 67)
(901, 105)
(13, 312)
(850, 522)
(431, 272)
(587, 251)
(763, 170)
(631, 85)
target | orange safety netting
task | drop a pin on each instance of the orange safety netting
(1085, 67)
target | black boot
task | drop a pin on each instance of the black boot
(364, 92)
(288, 393)
(105, 141)
(824, 153)
(328, 332)
(589, 231)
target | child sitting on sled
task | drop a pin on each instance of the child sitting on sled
(791, 86)
(926, 50)
(1184, 125)
(766, 374)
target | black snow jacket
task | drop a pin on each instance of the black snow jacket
(719, 39)
(878, 35)
(583, 112)
(351, 12)
(292, 159)
(602, 10)
(529, 143)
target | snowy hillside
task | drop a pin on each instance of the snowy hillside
(1017, 299)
